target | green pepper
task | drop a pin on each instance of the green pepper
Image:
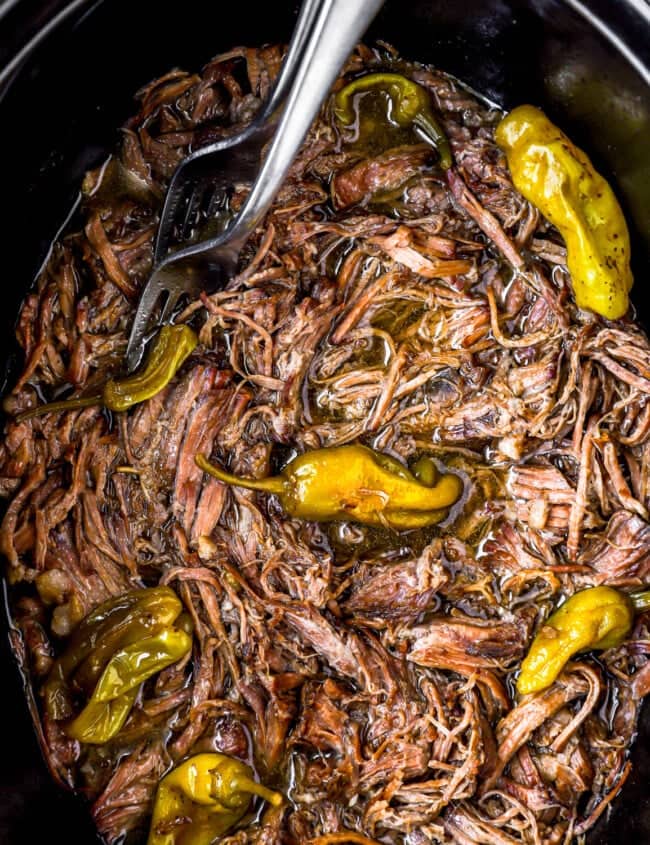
(425, 470)
(408, 104)
(595, 618)
(125, 672)
(558, 177)
(112, 652)
(100, 721)
(131, 666)
(355, 483)
(158, 608)
(202, 798)
(172, 347)
(109, 627)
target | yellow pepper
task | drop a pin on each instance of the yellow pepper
(172, 347)
(409, 104)
(202, 798)
(112, 652)
(595, 618)
(100, 721)
(109, 627)
(132, 665)
(560, 180)
(355, 483)
(118, 686)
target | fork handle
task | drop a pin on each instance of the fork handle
(338, 28)
(309, 13)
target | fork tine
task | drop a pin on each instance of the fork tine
(176, 192)
(170, 304)
(150, 296)
(217, 201)
(193, 206)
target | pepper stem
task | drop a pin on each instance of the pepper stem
(641, 601)
(275, 484)
(63, 405)
(432, 129)
(245, 784)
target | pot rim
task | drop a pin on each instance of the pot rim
(606, 20)
(608, 29)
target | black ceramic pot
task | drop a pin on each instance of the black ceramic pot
(67, 74)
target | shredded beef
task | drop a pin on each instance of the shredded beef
(364, 673)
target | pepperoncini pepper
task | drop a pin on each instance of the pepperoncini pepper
(202, 799)
(409, 104)
(112, 652)
(111, 625)
(560, 180)
(595, 618)
(116, 691)
(171, 348)
(100, 721)
(173, 345)
(355, 483)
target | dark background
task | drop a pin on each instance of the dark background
(59, 115)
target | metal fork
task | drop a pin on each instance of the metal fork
(200, 181)
(326, 33)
